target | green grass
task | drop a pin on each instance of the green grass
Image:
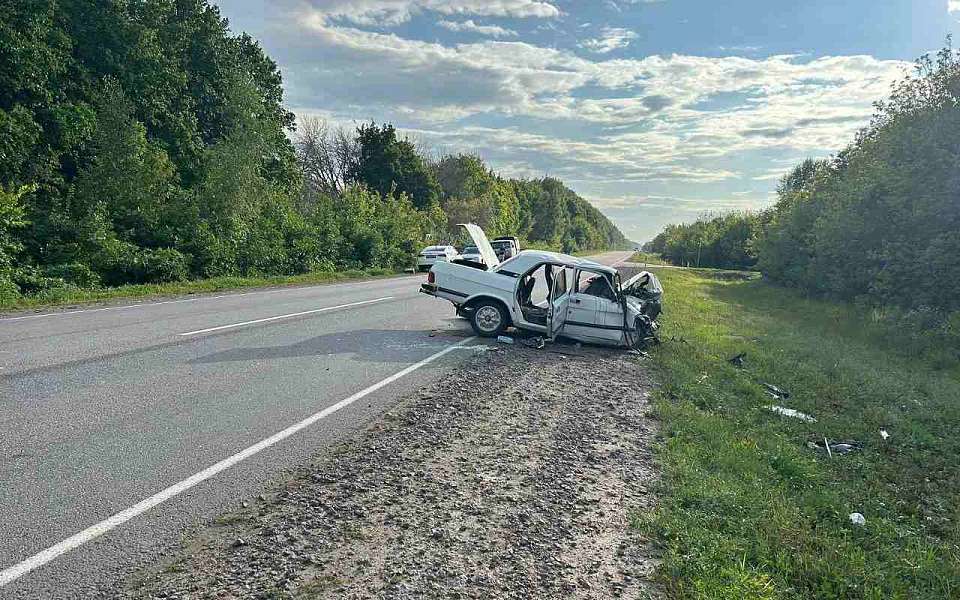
(73, 295)
(646, 257)
(747, 509)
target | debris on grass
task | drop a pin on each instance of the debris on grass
(775, 392)
(884, 434)
(838, 447)
(737, 360)
(845, 447)
(789, 412)
(858, 519)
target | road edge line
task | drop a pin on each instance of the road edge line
(43, 557)
(288, 316)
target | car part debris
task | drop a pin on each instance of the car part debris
(858, 519)
(838, 447)
(775, 392)
(789, 412)
(505, 339)
(537, 343)
(737, 360)
(884, 434)
(845, 447)
(645, 287)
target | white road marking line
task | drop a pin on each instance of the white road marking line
(290, 316)
(199, 299)
(75, 541)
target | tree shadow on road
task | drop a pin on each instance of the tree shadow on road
(369, 345)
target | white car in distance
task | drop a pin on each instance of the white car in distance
(431, 255)
(472, 254)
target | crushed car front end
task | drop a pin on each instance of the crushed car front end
(642, 297)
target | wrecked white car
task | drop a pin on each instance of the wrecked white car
(550, 294)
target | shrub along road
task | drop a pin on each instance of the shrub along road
(102, 409)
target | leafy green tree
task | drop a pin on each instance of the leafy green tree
(12, 218)
(879, 223)
(157, 147)
(389, 165)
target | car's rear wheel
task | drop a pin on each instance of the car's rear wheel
(489, 319)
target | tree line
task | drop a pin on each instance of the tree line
(879, 223)
(143, 142)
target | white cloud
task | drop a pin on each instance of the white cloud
(653, 123)
(953, 5)
(660, 128)
(611, 38)
(471, 27)
(615, 5)
(394, 12)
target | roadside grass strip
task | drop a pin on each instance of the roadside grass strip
(756, 503)
(69, 295)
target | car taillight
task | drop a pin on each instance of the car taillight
(431, 278)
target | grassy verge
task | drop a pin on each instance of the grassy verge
(650, 259)
(73, 295)
(749, 509)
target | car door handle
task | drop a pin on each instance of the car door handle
(575, 300)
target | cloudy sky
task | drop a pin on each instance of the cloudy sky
(654, 110)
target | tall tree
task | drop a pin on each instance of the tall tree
(389, 165)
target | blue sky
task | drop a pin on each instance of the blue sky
(654, 110)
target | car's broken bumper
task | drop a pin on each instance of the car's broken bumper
(429, 288)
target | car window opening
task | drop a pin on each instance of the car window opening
(595, 284)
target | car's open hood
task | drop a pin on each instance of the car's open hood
(483, 244)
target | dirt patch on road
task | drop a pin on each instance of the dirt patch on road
(513, 478)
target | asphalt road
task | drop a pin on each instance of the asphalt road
(123, 426)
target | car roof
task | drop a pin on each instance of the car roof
(527, 258)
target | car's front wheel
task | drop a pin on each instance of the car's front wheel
(489, 319)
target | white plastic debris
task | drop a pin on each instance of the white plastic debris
(858, 519)
(789, 412)
(505, 339)
(884, 434)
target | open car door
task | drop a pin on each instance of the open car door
(483, 244)
(559, 303)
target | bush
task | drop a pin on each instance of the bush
(32, 281)
(121, 262)
(9, 292)
(163, 265)
(77, 274)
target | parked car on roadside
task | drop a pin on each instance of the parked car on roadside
(505, 247)
(431, 255)
(551, 294)
(471, 254)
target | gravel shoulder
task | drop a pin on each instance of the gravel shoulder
(515, 477)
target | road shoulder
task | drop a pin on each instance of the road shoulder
(515, 476)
